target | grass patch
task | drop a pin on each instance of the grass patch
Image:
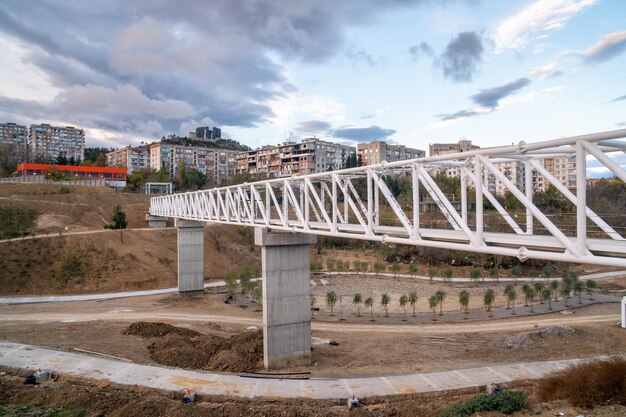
(35, 410)
(506, 402)
(587, 384)
(15, 222)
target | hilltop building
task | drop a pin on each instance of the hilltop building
(377, 151)
(309, 156)
(206, 132)
(49, 142)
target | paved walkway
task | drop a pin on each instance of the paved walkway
(97, 297)
(206, 383)
(111, 296)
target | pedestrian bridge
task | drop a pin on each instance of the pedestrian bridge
(360, 203)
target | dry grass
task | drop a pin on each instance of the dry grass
(587, 384)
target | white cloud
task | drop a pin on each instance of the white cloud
(546, 72)
(294, 108)
(536, 21)
(608, 47)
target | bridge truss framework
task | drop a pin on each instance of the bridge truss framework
(338, 204)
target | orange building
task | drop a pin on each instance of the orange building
(71, 171)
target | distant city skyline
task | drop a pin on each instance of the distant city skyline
(412, 72)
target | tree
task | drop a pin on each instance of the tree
(578, 290)
(530, 295)
(357, 299)
(539, 287)
(590, 285)
(395, 268)
(379, 267)
(216, 233)
(565, 291)
(413, 269)
(384, 300)
(119, 221)
(494, 273)
(526, 289)
(547, 272)
(475, 275)
(516, 271)
(547, 295)
(433, 302)
(510, 295)
(331, 300)
(447, 274)
(257, 293)
(488, 299)
(245, 280)
(230, 279)
(413, 301)
(464, 299)
(404, 300)
(432, 272)
(369, 303)
(330, 264)
(554, 289)
(441, 296)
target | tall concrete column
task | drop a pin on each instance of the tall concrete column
(286, 298)
(190, 255)
(624, 313)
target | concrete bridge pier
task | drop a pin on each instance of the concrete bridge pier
(286, 298)
(190, 256)
(156, 222)
(624, 313)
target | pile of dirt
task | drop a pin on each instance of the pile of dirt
(149, 329)
(184, 348)
(527, 340)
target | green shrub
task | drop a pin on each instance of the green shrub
(506, 402)
(71, 266)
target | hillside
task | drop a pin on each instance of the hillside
(99, 261)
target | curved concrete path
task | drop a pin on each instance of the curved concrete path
(111, 296)
(206, 383)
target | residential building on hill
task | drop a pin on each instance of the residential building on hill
(462, 145)
(217, 164)
(309, 156)
(130, 158)
(48, 142)
(377, 151)
(13, 134)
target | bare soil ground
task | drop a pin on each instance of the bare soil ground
(146, 260)
(372, 350)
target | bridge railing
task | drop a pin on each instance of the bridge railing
(359, 203)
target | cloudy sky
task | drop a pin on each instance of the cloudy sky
(407, 71)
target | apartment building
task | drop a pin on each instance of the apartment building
(13, 134)
(563, 168)
(217, 164)
(377, 151)
(462, 145)
(309, 156)
(130, 158)
(48, 142)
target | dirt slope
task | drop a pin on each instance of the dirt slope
(100, 262)
(79, 208)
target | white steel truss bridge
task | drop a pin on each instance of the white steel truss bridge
(358, 203)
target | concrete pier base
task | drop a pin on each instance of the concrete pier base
(190, 256)
(286, 298)
(624, 313)
(156, 222)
